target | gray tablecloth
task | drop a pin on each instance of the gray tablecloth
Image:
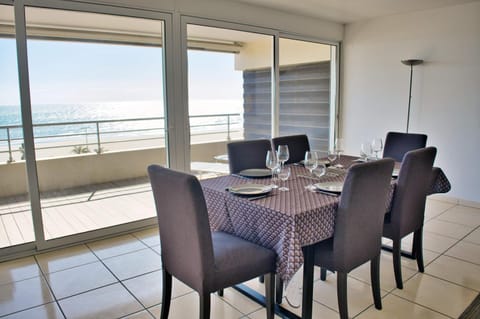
(283, 221)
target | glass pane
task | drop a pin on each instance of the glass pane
(229, 74)
(305, 91)
(16, 225)
(98, 116)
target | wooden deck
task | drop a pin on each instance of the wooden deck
(83, 209)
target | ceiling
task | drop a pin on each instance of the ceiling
(347, 11)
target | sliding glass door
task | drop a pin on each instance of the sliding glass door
(229, 93)
(97, 101)
(307, 91)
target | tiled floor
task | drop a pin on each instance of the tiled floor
(121, 278)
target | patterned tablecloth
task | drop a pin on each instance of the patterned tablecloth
(283, 221)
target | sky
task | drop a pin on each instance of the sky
(75, 72)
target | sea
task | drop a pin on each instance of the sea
(125, 118)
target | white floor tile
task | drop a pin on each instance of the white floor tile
(394, 307)
(65, 258)
(112, 301)
(116, 246)
(79, 279)
(448, 229)
(47, 311)
(18, 269)
(474, 237)
(466, 251)
(23, 294)
(463, 215)
(134, 264)
(460, 272)
(439, 295)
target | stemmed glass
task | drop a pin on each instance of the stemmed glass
(284, 174)
(332, 156)
(282, 154)
(339, 147)
(311, 161)
(377, 146)
(272, 163)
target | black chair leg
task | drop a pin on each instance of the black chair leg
(279, 289)
(269, 294)
(204, 305)
(397, 262)
(307, 296)
(375, 277)
(220, 292)
(166, 294)
(261, 279)
(323, 274)
(342, 294)
(418, 244)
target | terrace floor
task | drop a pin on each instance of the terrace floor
(121, 278)
(87, 208)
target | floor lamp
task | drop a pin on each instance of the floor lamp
(411, 63)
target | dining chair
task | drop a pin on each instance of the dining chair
(357, 234)
(397, 144)
(204, 260)
(408, 206)
(247, 154)
(297, 146)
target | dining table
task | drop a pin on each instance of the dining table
(287, 221)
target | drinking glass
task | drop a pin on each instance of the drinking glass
(310, 161)
(365, 150)
(271, 162)
(377, 146)
(321, 170)
(282, 154)
(339, 148)
(284, 174)
(332, 156)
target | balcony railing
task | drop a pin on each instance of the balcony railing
(79, 136)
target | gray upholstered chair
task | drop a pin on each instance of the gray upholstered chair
(247, 154)
(397, 144)
(357, 235)
(408, 206)
(205, 261)
(297, 146)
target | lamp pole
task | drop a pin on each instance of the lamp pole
(411, 63)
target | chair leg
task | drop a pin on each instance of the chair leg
(220, 292)
(323, 273)
(204, 305)
(397, 262)
(166, 294)
(269, 294)
(342, 294)
(261, 279)
(418, 244)
(375, 277)
(279, 289)
(307, 295)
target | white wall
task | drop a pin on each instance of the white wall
(446, 88)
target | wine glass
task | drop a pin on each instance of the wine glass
(282, 154)
(377, 146)
(332, 156)
(271, 162)
(284, 174)
(339, 148)
(310, 161)
(365, 150)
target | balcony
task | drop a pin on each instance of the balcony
(86, 190)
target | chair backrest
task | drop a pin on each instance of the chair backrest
(413, 184)
(397, 144)
(247, 154)
(185, 236)
(360, 214)
(297, 146)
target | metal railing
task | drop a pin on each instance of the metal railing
(80, 136)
